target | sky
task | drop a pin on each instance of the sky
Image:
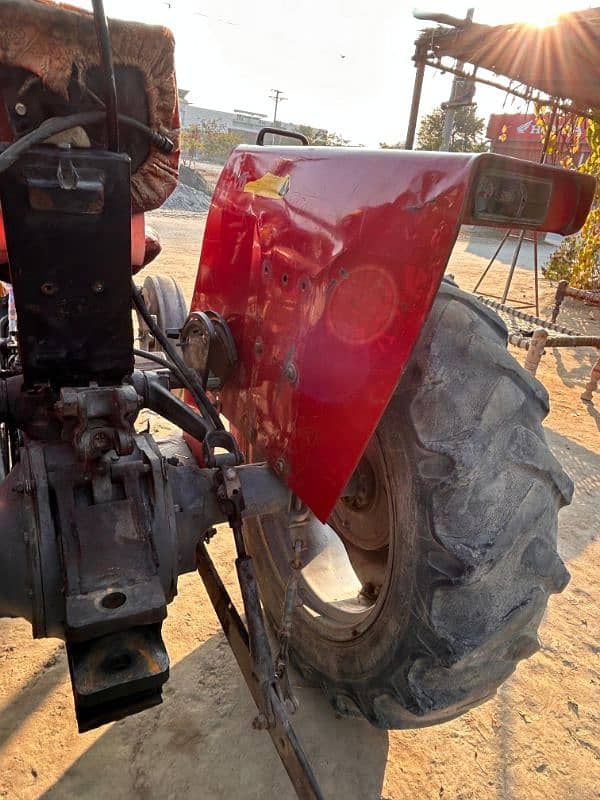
(343, 65)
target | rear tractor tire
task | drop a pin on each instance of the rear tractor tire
(429, 583)
(165, 301)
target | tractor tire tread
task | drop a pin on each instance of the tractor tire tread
(491, 491)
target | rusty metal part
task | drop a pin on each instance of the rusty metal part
(282, 734)
(269, 685)
(573, 341)
(117, 675)
(514, 312)
(361, 516)
(535, 350)
(99, 418)
(285, 630)
(592, 385)
(564, 290)
(208, 347)
(92, 550)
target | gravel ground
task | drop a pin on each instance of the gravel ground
(184, 198)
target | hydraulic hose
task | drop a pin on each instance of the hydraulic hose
(188, 376)
(55, 125)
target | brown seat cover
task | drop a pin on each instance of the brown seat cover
(49, 40)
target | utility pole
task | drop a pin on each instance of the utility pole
(460, 95)
(277, 96)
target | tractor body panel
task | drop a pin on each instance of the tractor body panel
(325, 263)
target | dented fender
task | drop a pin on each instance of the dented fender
(325, 263)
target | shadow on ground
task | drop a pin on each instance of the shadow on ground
(579, 524)
(199, 743)
(33, 694)
(485, 247)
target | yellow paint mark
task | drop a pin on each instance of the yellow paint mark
(273, 186)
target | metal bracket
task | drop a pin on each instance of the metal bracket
(281, 731)
(269, 685)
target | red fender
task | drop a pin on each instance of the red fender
(325, 263)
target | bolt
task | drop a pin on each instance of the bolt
(20, 109)
(280, 465)
(291, 372)
(100, 440)
(260, 723)
(230, 474)
(98, 287)
(49, 289)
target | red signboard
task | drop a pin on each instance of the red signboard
(522, 128)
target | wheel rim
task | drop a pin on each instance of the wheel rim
(347, 560)
(165, 302)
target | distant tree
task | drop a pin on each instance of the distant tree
(467, 131)
(321, 137)
(208, 141)
(392, 146)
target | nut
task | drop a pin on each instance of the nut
(49, 289)
(20, 109)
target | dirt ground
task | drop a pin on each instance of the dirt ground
(538, 740)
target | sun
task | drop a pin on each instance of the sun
(542, 16)
(536, 15)
(541, 19)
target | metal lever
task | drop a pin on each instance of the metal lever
(250, 645)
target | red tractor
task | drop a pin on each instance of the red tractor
(384, 471)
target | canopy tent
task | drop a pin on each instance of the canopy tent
(562, 61)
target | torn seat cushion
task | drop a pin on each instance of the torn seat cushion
(55, 41)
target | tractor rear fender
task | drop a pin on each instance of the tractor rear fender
(325, 263)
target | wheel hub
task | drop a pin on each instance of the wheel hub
(361, 515)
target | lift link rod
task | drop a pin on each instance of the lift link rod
(250, 645)
(284, 738)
